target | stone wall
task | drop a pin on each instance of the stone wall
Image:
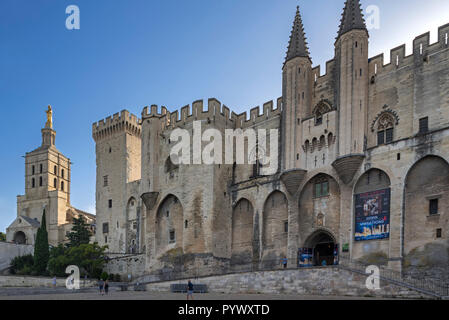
(316, 281)
(131, 264)
(37, 282)
(9, 251)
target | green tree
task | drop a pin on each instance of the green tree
(2, 237)
(41, 250)
(80, 233)
(88, 257)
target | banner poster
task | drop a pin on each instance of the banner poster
(372, 215)
(305, 257)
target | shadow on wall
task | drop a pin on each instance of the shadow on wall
(430, 260)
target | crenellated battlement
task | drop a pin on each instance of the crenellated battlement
(316, 72)
(423, 50)
(421, 47)
(214, 111)
(119, 122)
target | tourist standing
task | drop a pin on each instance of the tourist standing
(190, 290)
(101, 286)
(54, 282)
(106, 287)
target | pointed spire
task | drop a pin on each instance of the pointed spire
(352, 18)
(297, 46)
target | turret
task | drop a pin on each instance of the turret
(296, 92)
(351, 89)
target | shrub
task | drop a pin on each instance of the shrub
(18, 264)
(117, 278)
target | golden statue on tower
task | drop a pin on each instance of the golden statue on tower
(49, 113)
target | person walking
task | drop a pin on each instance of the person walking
(190, 290)
(54, 282)
(106, 287)
(101, 286)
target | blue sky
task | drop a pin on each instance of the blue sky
(133, 53)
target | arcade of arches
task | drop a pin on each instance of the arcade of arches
(426, 189)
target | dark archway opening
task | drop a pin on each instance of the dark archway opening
(20, 238)
(323, 245)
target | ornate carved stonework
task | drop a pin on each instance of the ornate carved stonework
(386, 119)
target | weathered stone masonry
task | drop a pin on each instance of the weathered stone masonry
(362, 126)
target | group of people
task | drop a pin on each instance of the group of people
(103, 286)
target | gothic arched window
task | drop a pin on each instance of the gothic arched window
(320, 110)
(385, 129)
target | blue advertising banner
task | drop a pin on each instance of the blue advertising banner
(372, 215)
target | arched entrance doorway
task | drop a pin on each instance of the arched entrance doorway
(20, 238)
(323, 246)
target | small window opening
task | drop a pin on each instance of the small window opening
(433, 206)
(420, 48)
(439, 233)
(397, 60)
(398, 156)
(424, 125)
(286, 226)
(172, 236)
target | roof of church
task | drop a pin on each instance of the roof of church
(297, 46)
(351, 18)
(32, 222)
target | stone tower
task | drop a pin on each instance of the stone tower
(296, 92)
(351, 89)
(118, 151)
(47, 187)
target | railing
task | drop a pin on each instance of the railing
(422, 283)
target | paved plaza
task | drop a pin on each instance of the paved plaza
(92, 294)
